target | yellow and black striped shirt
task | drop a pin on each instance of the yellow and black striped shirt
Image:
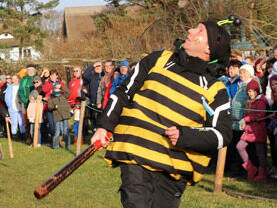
(164, 99)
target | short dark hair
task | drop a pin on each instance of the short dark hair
(235, 63)
(109, 61)
(275, 47)
(54, 71)
(31, 65)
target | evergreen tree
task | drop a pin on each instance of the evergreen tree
(23, 19)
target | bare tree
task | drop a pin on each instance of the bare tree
(52, 23)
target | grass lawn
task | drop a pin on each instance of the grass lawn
(96, 185)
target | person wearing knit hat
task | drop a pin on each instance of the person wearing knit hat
(159, 137)
(246, 72)
(219, 42)
(253, 85)
(26, 84)
(124, 69)
(124, 63)
(254, 132)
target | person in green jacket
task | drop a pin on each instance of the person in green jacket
(23, 93)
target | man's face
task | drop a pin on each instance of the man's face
(53, 77)
(108, 67)
(233, 71)
(98, 67)
(196, 43)
(31, 71)
(15, 80)
(8, 79)
(77, 72)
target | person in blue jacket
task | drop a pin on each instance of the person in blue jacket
(14, 105)
(124, 69)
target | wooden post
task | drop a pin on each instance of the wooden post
(9, 139)
(68, 77)
(37, 118)
(220, 169)
(1, 152)
(80, 129)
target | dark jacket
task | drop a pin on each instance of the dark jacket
(62, 112)
(3, 112)
(39, 89)
(47, 89)
(92, 79)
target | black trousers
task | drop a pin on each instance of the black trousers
(142, 188)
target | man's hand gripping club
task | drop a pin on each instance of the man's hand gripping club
(100, 135)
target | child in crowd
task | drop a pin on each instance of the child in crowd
(232, 84)
(61, 112)
(254, 126)
(272, 128)
(31, 114)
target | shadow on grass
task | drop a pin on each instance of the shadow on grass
(243, 186)
(2, 164)
(71, 151)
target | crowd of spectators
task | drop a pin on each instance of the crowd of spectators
(23, 92)
(251, 83)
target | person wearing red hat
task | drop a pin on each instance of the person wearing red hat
(254, 127)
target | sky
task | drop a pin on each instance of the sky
(69, 3)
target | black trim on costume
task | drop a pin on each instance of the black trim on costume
(144, 161)
(170, 104)
(176, 86)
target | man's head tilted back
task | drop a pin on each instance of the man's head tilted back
(209, 42)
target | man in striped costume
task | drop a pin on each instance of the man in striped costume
(168, 117)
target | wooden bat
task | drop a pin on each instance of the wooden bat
(52, 182)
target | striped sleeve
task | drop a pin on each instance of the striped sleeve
(124, 94)
(217, 131)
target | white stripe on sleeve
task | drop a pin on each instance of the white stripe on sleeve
(115, 99)
(218, 110)
(132, 79)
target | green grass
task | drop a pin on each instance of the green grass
(96, 185)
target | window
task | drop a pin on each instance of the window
(27, 52)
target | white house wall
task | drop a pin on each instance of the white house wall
(2, 56)
(6, 36)
(14, 53)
